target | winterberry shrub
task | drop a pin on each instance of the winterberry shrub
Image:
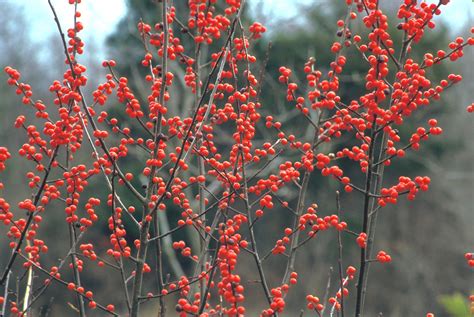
(219, 191)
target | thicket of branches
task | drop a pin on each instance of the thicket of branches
(189, 141)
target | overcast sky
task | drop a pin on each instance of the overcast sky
(101, 16)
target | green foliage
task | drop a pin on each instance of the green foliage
(455, 305)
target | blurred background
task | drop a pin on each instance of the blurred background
(426, 238)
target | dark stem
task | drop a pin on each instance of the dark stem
(77, 276)
(368, 182)
(255, 253)
(339, 242)
(5, 295)
(138, 280)
(159, 267)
